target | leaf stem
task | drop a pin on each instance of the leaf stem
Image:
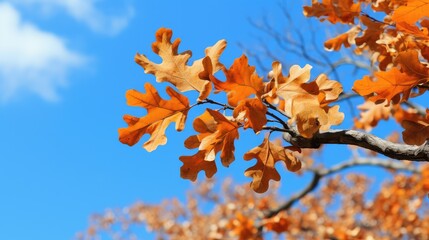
(207, 100)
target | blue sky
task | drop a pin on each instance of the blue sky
(64, 69)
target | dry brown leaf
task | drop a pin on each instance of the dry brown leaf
(415, 133)
(192, 165)
(267, 154)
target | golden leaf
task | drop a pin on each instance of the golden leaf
(174, 68)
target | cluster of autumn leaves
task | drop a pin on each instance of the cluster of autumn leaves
(249, 98)
(398, 48)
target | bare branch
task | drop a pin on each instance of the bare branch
(364, 140)
(349, 61)
(366, 161)
(288, 204)
(320, 173)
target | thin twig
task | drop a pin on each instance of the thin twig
(225, 106)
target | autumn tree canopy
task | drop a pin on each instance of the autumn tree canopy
(391, 35)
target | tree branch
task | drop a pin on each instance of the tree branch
(362, 161)
(320, 173)
(310, 187)
(364, 140)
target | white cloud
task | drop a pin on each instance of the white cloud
(85, 11)
(31, 59)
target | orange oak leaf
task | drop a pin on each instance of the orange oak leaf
(192, 165)
(371, 114)
(412, 11)
(343, 11)
(267, 154)
(413, 30)
(254, 112)
(174, 68)
(388, 85)
(160, 113)
(241, 81)
(217, 134)
(410, 63)
(336, 42)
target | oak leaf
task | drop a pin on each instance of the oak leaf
(174, 68)
(415, 133)
(288, 88)
(371, 114)
(160, 113)
(412, 11)
(416, 130)
(267, 155)
(413, 30)
(345, 39)
(192, 165)
(410, 63)
(254, 112)
(217, 134)
(334, 11)
(241, 82)
(400, 114)
(388, 85)
(306, 103)
(310, 117)
(371, 34)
